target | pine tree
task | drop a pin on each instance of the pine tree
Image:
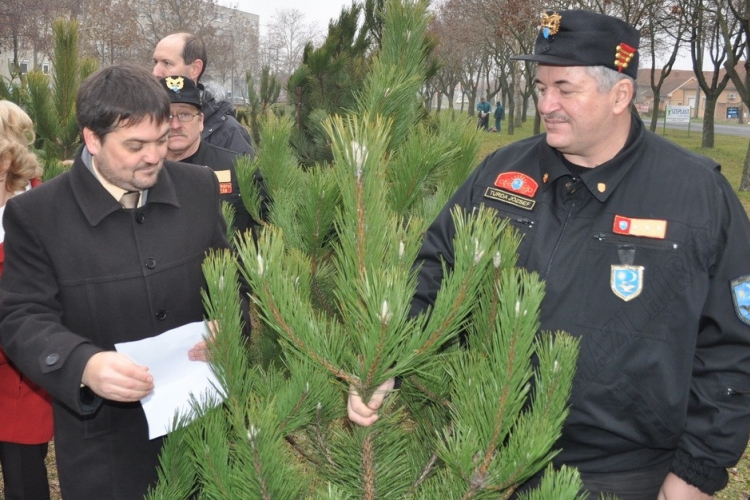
(327, 82)
(332, 277)
(52, 107)
(259, 101)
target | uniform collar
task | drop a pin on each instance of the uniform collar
(601, 181)
(193, 158)
(97, 203)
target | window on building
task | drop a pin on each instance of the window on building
(24, 67)
(45, 68)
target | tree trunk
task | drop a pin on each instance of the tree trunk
(537, 123)
(745, 179)
(655, 113)
(708, 122)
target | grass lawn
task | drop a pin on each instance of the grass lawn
(728, 151)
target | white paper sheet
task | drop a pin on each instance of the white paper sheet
(175, 376)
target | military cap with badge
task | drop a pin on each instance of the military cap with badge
(583, 38)
(182, 90)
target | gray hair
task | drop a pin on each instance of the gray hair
(607, 78)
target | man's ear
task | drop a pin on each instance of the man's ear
(623, 95)
(195, 69)
(92, 141)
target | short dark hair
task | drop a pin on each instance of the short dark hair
(194, 49)
(118, 94)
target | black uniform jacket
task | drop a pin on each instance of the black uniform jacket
(222, 161)
(641, 256)
(221, 128)
(82, 274)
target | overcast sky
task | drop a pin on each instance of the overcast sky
(319, 11)
(322, 11)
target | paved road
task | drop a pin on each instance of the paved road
(719, 128)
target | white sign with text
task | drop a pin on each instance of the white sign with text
(678, 114)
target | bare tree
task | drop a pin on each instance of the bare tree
(26, 29)
(664, 32)
(515, 28)
(738, 70)
(234, 51)
(707, 39)
(447, 55)
(284, 43)
(159, 18)
(109, 32)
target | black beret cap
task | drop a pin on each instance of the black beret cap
(583, 38)
(182, 89)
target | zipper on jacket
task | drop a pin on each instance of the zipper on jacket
(523, 221)
(637, 241)
(559, 239)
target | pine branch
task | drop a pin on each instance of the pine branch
(368, 468)
(425, 472)
(257, 463)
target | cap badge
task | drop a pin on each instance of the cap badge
(550, 24)
(175, 84)
(623, 56)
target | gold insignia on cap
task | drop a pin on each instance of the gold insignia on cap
(175, 84)
(550, 24)
(624, 55)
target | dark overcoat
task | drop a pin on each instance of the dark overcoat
(82, 274)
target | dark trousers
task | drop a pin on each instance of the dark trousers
(642, 484)
(24, 472)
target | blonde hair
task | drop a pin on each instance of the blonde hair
(16, 135)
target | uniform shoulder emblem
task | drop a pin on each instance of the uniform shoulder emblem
(741, 298)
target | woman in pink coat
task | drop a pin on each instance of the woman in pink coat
(25, 409)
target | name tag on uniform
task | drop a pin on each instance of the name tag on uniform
(509, 198)
(225, 181)
(647, 228)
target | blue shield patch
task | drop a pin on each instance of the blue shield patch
(627, 281)
(741, 298)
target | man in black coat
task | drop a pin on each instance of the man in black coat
(184, 54)
(185, 145)
(84, 272)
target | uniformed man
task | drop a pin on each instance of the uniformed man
(644, 249)
(184, 54)
(185, 145)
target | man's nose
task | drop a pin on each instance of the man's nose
(547, 103)
(154, 153)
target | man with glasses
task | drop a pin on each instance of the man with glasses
(185, 145)
(184, 54)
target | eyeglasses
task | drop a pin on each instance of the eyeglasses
(183, 117)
